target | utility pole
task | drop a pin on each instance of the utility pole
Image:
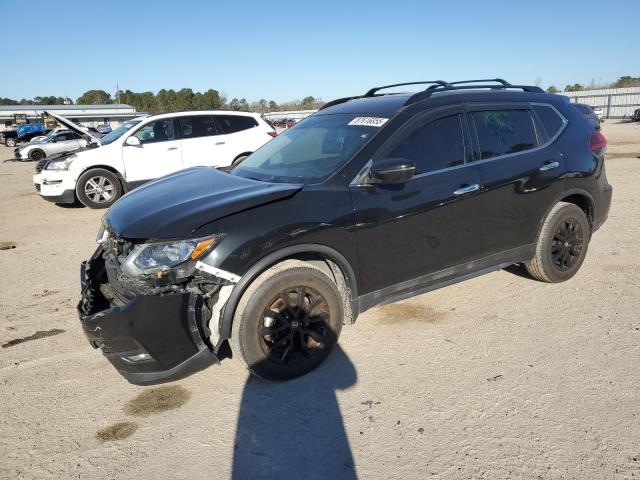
(118, 92)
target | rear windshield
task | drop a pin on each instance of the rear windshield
(310, 151)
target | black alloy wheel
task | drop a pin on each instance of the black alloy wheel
(294, 325)
(567, 243)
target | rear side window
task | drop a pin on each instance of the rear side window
(501, 132)
(236, 123)
(550, 119)
(197, 126)
(436, 145)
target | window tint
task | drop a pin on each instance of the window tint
(236, 123)
(436, 145)
(501, 132)
(158, 131)
(197, 126)
(550, 119)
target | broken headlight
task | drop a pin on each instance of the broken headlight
(159, 258)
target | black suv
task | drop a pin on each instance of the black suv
(372, 199)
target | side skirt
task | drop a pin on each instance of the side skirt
(443, 278)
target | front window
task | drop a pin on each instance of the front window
(158, 131)
(311, 151)
(118, 132)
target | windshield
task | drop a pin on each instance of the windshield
(118, 132)
(310, 151)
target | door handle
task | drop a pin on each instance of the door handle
(172, 148)
(468, 189)
(549, 166)
(219, 143)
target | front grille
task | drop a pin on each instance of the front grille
(41, 164)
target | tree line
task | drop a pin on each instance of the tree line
(186, 99)
(622, 82)
(173, 101)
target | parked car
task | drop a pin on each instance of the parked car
(22, 133)
(373, 199)
(60, 141)
(599, 111)
(589, 114)
(158, 145)
(636, 115)
(103, 129)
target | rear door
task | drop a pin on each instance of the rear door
(158, 153)
(199, 141)
(240, 134)
(431, 223)
(521, 170)
(64, 142)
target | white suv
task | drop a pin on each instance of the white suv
(142, 150)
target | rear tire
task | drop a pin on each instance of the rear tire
(10, 142)
(98, 188)
(287, 321)
(562, 244)
(36, 155)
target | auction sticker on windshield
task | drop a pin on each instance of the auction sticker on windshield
(368, 121)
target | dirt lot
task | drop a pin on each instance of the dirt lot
(497, 377)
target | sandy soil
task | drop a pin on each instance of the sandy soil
(497, 377)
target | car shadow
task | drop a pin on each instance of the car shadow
(294, 429)
(519, 270)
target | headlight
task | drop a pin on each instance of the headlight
(159, 258)
(61, 164)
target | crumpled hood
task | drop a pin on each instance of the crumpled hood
(176, 205)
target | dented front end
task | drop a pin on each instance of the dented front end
(153, 329)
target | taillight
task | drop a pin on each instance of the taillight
(597, 142)
(273, 134)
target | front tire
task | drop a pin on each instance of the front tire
(36, 155)
(287, 321)
(562, 244)
(10, 142)
(98, 188)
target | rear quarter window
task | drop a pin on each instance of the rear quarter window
(503, 132)
(236, 123)
(551, 120)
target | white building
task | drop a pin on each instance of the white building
(85, 115)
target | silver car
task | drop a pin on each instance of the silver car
(56, 142)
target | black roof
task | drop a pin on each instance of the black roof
(375, 103)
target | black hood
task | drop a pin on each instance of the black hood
(176, 205)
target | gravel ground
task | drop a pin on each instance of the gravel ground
(497, 377)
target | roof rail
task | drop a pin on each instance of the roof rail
(437, 86)
(338, 101)
(502, 85)
(373, 91)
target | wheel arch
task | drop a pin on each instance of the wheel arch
(111, 169)
(335, 262)
(244, 154)
(36, 149)
(579, 197)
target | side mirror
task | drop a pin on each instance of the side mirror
(133, 141)
(392, 171)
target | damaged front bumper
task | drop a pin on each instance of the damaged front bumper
(150, 339)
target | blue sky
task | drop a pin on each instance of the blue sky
(284, 50)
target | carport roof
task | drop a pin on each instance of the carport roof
(108, 106)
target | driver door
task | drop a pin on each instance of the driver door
(158, 153)
(409, 234)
